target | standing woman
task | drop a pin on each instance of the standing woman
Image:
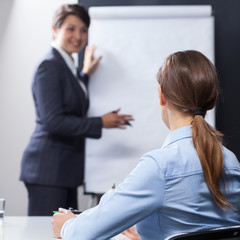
(191, 183)
(53, 163)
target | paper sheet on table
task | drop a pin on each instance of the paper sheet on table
(120, 237)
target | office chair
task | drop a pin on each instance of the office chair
(222, 233)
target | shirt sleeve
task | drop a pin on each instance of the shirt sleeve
(48, 96)
(139, 196)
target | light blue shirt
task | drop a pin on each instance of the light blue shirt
(165, 194)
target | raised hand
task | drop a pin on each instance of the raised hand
(90, 63)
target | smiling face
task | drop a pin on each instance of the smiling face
(72, 35)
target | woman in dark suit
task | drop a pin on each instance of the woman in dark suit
(53, 162)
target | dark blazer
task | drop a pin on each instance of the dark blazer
(56, 151)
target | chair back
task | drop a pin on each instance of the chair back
(222, 233)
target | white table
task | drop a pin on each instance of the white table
(26, 228)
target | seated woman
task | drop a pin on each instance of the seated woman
(191, 183)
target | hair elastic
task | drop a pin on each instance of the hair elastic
(198, 111)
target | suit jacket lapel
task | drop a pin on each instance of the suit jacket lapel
(76, 88)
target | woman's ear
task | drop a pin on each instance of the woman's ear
(54, 29)
(162, 99)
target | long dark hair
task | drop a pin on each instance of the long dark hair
(189, 81)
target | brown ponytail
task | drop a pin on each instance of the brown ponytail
(208, 143)
(189, 81)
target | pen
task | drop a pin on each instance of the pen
(72, 210)
(126, 122)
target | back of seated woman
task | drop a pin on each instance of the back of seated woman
(191, 183)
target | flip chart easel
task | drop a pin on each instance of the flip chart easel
(134, 41)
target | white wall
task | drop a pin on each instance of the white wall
(25, 27)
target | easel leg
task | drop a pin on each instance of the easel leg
(94, 200)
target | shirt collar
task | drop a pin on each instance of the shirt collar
(67, 58)
(180, 133)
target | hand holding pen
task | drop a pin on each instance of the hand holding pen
(59, 218)
(74, 211)
(116, 120)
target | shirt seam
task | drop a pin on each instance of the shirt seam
(183, 174)
(164, 179)
(194, 173)
(176, 140)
